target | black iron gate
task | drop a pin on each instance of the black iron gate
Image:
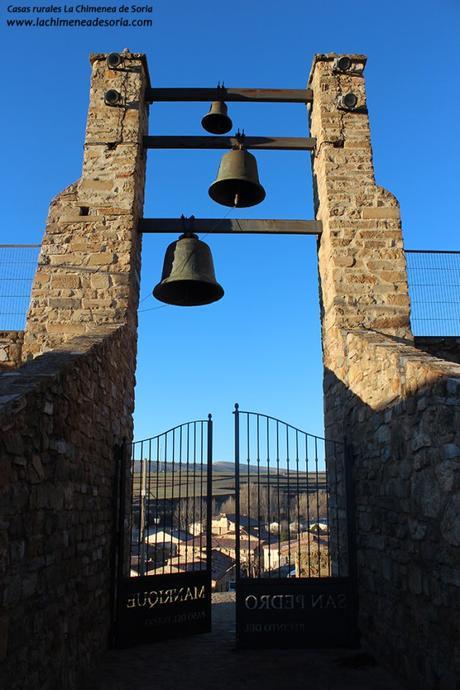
(168, 592)
(295, 584)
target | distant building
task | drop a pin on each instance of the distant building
(308, 555)
(223, 571)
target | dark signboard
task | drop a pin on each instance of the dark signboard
(160, 606)
(290, 613)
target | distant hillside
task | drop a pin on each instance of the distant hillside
(172, 480)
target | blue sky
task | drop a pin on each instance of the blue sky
(260, 345)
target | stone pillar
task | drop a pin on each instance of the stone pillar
(396, 405)
(362, 266)
(89, 264)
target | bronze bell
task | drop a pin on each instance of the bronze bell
(237, 182)
(188, 277)
(217, 121)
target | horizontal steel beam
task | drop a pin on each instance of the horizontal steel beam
(232, 226)
(240, 95)
(268, 143)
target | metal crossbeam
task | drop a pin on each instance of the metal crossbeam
(268, 143)
(229, 95)
(232, 226)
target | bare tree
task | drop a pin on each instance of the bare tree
(310, 506)
(189, 511)
(268, 503)
(228, 506)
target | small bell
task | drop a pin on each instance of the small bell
(217, 121)
(188, 277)
(237, 183)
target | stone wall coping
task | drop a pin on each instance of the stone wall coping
(36, 373)
(406, 351)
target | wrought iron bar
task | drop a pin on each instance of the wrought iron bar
(165, 502)
(259, 544)
(242, 95)
(209, 495)
(142, 559)
(262, 143)
(234, 226)
(237, 493)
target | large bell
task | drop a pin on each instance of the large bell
(237, 182)
(217, 121)
(188, 277)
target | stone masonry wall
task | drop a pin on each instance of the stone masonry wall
(11, 349)
(65, 410)
(61, 416)
(397, 407)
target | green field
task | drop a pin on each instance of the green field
(166, 485)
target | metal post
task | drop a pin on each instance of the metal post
(237, 491)
(142, 558)
(209, 498)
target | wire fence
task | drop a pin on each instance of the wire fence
(434, 288)
(433, 276)
(18, 263)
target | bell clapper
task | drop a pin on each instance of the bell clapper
(237, 199)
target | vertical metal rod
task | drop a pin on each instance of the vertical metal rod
(132, 546)
(165, 462)
(298, 573)
(308, 507)
(142, 515)
(171, 502)
(157, 505)
(269, 500)
(201, 492)
(258, 495)
(209, 498)
(326, 475)
(337, 521)
(249, 496)
(278, 494)
(288, 501)
(237, 492)
(121, 525)
(187, 490)
(194, 511)
(149, 498)
(317, 506)
(179, 507)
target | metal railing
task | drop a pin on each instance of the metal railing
(18, 263)
(434, 288)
